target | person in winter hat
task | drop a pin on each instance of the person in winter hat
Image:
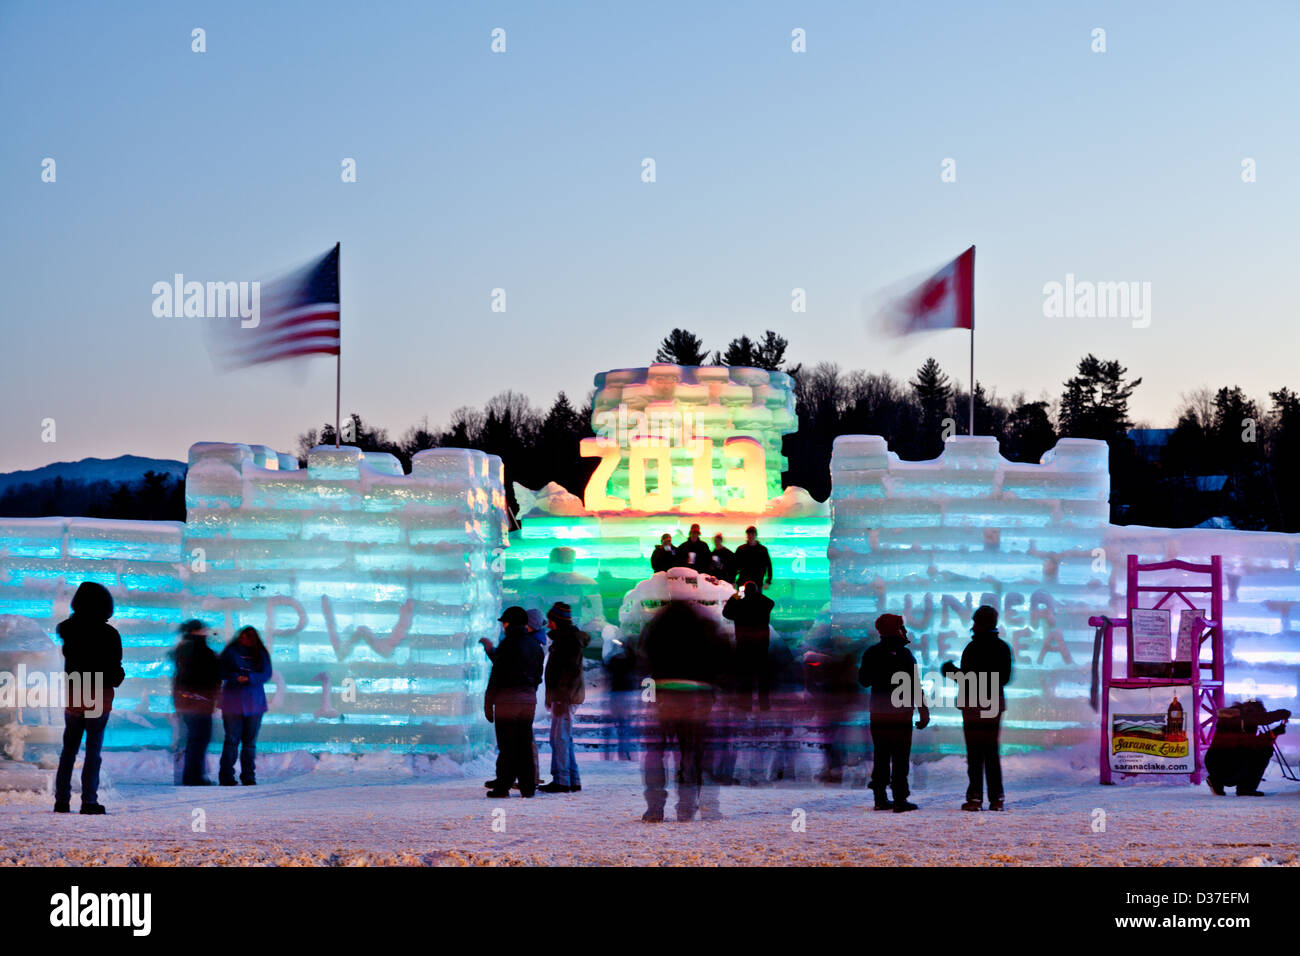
(245, 666)
(510, 702)
(92, 660)
(889, 670)
(196, 682)
(695, 553)
(564, 692)
(985, 670)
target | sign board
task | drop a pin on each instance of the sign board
(1186, 647)
(1151, 636)
(1149, 729)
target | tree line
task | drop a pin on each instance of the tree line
(1227, 459)
(155, 497)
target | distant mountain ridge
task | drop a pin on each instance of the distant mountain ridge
(124, 468)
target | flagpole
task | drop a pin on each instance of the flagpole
(972, 343)
(338, 367)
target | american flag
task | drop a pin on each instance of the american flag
(299, 316)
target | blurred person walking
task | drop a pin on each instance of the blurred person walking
(751, 612)
(621, 673)
(831, 681)
(684, 657)
(196, 682)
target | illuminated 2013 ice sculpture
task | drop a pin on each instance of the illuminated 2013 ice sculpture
(371, 588)
(677, 445)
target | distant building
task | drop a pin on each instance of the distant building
(1150, 442)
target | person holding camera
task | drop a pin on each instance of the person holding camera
(985, 670)
(1241, 750)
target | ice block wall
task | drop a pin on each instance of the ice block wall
(933, 540)
(43, 560)
(371, 588)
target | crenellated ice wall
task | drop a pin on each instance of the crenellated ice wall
(371, 588)
(932, 540)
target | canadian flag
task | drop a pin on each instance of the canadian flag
(946, 300)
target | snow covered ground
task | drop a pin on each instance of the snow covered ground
(396, 810)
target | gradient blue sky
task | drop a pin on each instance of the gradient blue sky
(522, 171)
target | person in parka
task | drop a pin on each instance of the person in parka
(564, 692)
(664, 557)
(196, 682)
(1239, 753)
(92, 660)
(889, 670)
(985, 670)
(245, 666)
(510, 702)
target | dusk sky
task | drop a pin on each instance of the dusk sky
(522, 171)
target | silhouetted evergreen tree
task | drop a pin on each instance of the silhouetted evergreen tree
(933, 392)
(681, 347)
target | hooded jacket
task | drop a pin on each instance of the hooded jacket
(91, 646)
(563, 673)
